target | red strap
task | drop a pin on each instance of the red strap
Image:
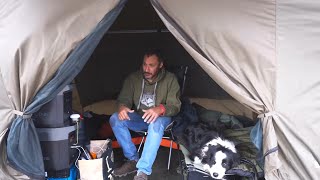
(163, 109)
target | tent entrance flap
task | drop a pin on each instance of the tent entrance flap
(23, 146)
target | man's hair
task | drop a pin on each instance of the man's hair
(155, 52)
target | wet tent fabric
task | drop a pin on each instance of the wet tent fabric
(258, 51)
(35, 68)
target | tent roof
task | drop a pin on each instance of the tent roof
(138, 15)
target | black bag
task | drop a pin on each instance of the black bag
(108, 163)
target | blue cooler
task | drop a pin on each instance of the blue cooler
(73, 175)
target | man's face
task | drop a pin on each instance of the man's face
(151, 67)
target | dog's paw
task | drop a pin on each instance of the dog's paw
(197, 160)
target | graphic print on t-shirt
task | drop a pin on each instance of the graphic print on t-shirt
(147, 100)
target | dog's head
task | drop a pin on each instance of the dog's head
(218, 156)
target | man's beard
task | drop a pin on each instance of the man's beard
(151, 76)
(147, 75)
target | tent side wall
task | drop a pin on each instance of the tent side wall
(298, 87)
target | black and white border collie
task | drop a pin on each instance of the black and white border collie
(207, 147)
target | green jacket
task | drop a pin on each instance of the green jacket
(165, 88)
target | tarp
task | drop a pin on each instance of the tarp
(265, 54)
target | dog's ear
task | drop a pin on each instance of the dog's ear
(209, 154)
(235, 159)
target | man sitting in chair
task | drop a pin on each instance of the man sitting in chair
(147, 101)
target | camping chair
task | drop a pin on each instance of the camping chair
(181, 73)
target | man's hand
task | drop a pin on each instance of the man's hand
(151, 114)
(123, 113)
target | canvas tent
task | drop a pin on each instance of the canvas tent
(263, 53)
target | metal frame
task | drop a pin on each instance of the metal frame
(168, 129)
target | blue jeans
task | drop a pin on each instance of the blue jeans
(155, 132)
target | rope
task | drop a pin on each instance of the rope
(19, 113)
(268, 114)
